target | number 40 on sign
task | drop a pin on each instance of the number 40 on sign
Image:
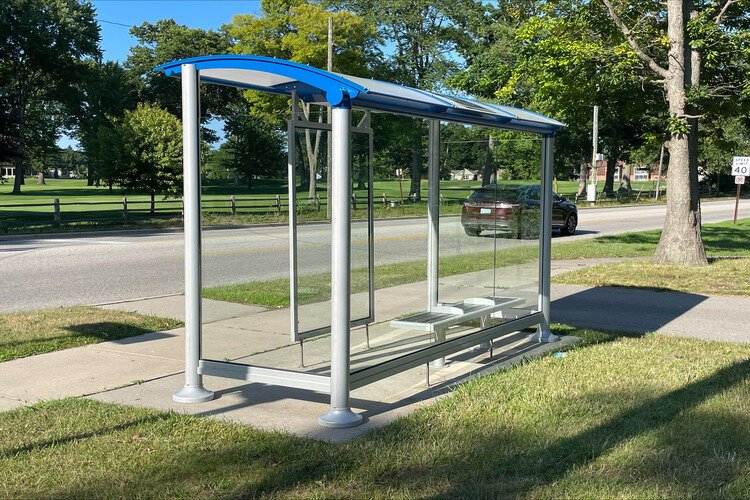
(741, 166)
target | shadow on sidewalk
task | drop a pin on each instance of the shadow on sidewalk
(635, 310)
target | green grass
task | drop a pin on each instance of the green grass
(721, 239)
(317, 287)
(636, 417)
(81, 208)
(28, 333)
(721, 277)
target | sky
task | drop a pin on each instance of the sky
(117, 16)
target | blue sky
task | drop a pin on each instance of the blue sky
(117, 16)
(207, 14)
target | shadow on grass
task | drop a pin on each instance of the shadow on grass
(55, 442)
(551, 463)
(471, 467)
(82, 334)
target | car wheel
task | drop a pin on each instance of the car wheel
(570, 225)
(472, 232)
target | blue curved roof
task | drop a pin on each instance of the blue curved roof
(318, 86)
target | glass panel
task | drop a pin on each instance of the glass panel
(488, 242)
(314, 240)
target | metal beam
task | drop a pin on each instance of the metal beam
(340, 415)
(193, 390)
(433, 212)
(543, 333)
(272, 376)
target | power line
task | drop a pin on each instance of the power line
(115, 23)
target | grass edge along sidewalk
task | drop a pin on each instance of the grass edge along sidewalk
(721, 239)
(45, 330)
(624, 416)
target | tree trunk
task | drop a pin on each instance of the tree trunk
(627, 171)
(609, 180)
(40, 178)
(415, 190)
(489, 163)
(582, 176)
(90, 175)
(681, 241)
(249, 181)
(153, 203)
(20, 160)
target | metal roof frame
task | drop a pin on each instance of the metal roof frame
(315, 85)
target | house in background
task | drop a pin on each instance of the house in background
(641, 173)
(465, 175)
(7, 170)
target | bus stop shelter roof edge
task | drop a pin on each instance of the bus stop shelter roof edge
(315, 85)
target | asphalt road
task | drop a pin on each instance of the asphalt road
(99, 268)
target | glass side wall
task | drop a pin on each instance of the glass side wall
(245, 265)
(314, 239)
(488, 238)
(489, 254)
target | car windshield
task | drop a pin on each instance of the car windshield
(492, 193)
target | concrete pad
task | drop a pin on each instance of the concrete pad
(10, 404)
(78, 371)
(161, 345)
(173, 306)
(296, 411)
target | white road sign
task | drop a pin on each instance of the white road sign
(739, 179)
(741, 165)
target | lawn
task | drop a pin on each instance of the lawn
(721, 239)
(97, 208)
(28, 333)
(643, 417)
(728, 272)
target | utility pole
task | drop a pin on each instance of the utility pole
(329, 67)
(591, 191)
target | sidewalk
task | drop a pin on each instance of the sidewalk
(146, 370)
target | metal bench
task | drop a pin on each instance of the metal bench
(443, 316)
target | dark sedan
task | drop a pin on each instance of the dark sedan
(514, 211)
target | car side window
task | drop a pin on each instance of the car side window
(532, 194)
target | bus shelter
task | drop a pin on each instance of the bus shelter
(457, 311)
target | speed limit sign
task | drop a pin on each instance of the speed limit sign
(741, 165)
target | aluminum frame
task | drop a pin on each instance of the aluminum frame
(342, 379)
(295, 124)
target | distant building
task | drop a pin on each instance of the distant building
(7, 171)
(638, 174)
(465, 175)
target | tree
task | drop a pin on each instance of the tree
(166, 41)
(297, 30)
(108, 93)
(705, 56)
(254, 147)
(425, 36)
(556, 59)
(151, 152)
(43, 44)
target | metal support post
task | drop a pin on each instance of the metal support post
(433, 218)
(543, 333)
(340, 414)
(292, 197)
(193, 391)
